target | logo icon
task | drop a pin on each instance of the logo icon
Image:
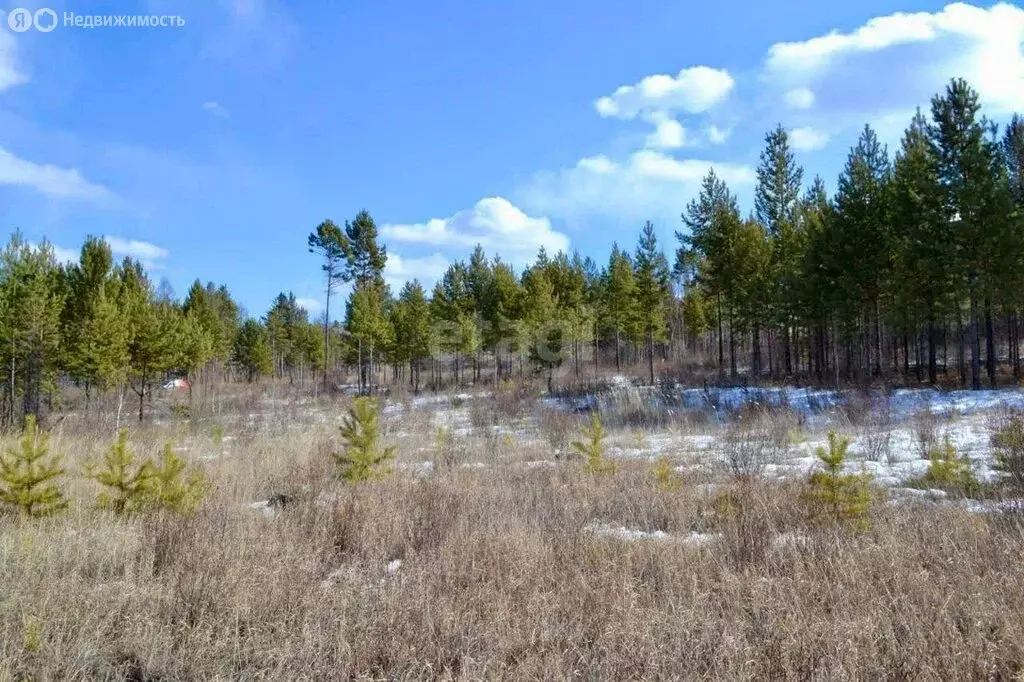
(45, 20)
(20, 20)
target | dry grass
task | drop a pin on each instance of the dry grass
(499, 577)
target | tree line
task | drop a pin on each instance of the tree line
(913, 267)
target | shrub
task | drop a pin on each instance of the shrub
(750, 447)
(1008, 442)
(449, 449)
(362, 458)
(832, 494)
(592, 449)
(126, 483)
(665, 476)
(28, 480)
(948, 471)
(557, 427)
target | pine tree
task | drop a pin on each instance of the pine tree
(592, 447)
(776, 199)
(652, 290)
(172, 486)
(362, 458)
(924, 249)
(32, 289)
(333, 247)
(28, 480)
(252, 351)
(861, 224)
(126, 482)
(546, 331)
(411, 322)
(966, 170)
(619, 299)
(833, 494)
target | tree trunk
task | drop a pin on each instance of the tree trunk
(975, 337)
(990, 344)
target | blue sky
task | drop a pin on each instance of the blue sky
(211, 150)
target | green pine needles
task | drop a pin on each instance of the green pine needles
(28, 477)
(592, 448)
(131, 486)
(833, 494)
(362, 457)
(951, 472)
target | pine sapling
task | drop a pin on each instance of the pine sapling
(362, 457)
(834, 494)
(127, 484)
(592, 448)
(28, 478)
(173, 487)
(949, 471)
(1008, 443)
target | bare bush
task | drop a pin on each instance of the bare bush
(927, 434)
(750, 445)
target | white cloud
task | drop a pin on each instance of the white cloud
(60, 254)
(50, 180)
(311, 305)
(646, 185)
(494, 222)
(807, 139)
(216, 109)
(146, 253)
(717, 135)
(799, 98)
(10, 74)
(427, 270)
(693, 91)
(668, 134)
(985, 46)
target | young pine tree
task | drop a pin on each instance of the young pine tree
(172, 486)
(28, 479)
(126, 483)
(362, 458)
(592, 448)
(833, 494)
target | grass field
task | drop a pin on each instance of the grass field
(491, 553)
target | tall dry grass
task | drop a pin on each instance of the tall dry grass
(500, 576)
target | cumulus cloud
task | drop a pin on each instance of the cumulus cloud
(146, 253)
(494, 222)
(693, 90)
(216, 109)
(985, 46)
(50, 180)
(427, 270)
(807, 139)
(799, 98)
(668, 134)
(646, 185)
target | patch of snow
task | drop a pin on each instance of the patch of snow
(790, 539)
(623, 533)
(533, 464)
(424, 468)
(919, 493)
(394, 566)
(263, 506)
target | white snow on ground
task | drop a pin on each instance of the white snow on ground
(692, 539)
(424, 468)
